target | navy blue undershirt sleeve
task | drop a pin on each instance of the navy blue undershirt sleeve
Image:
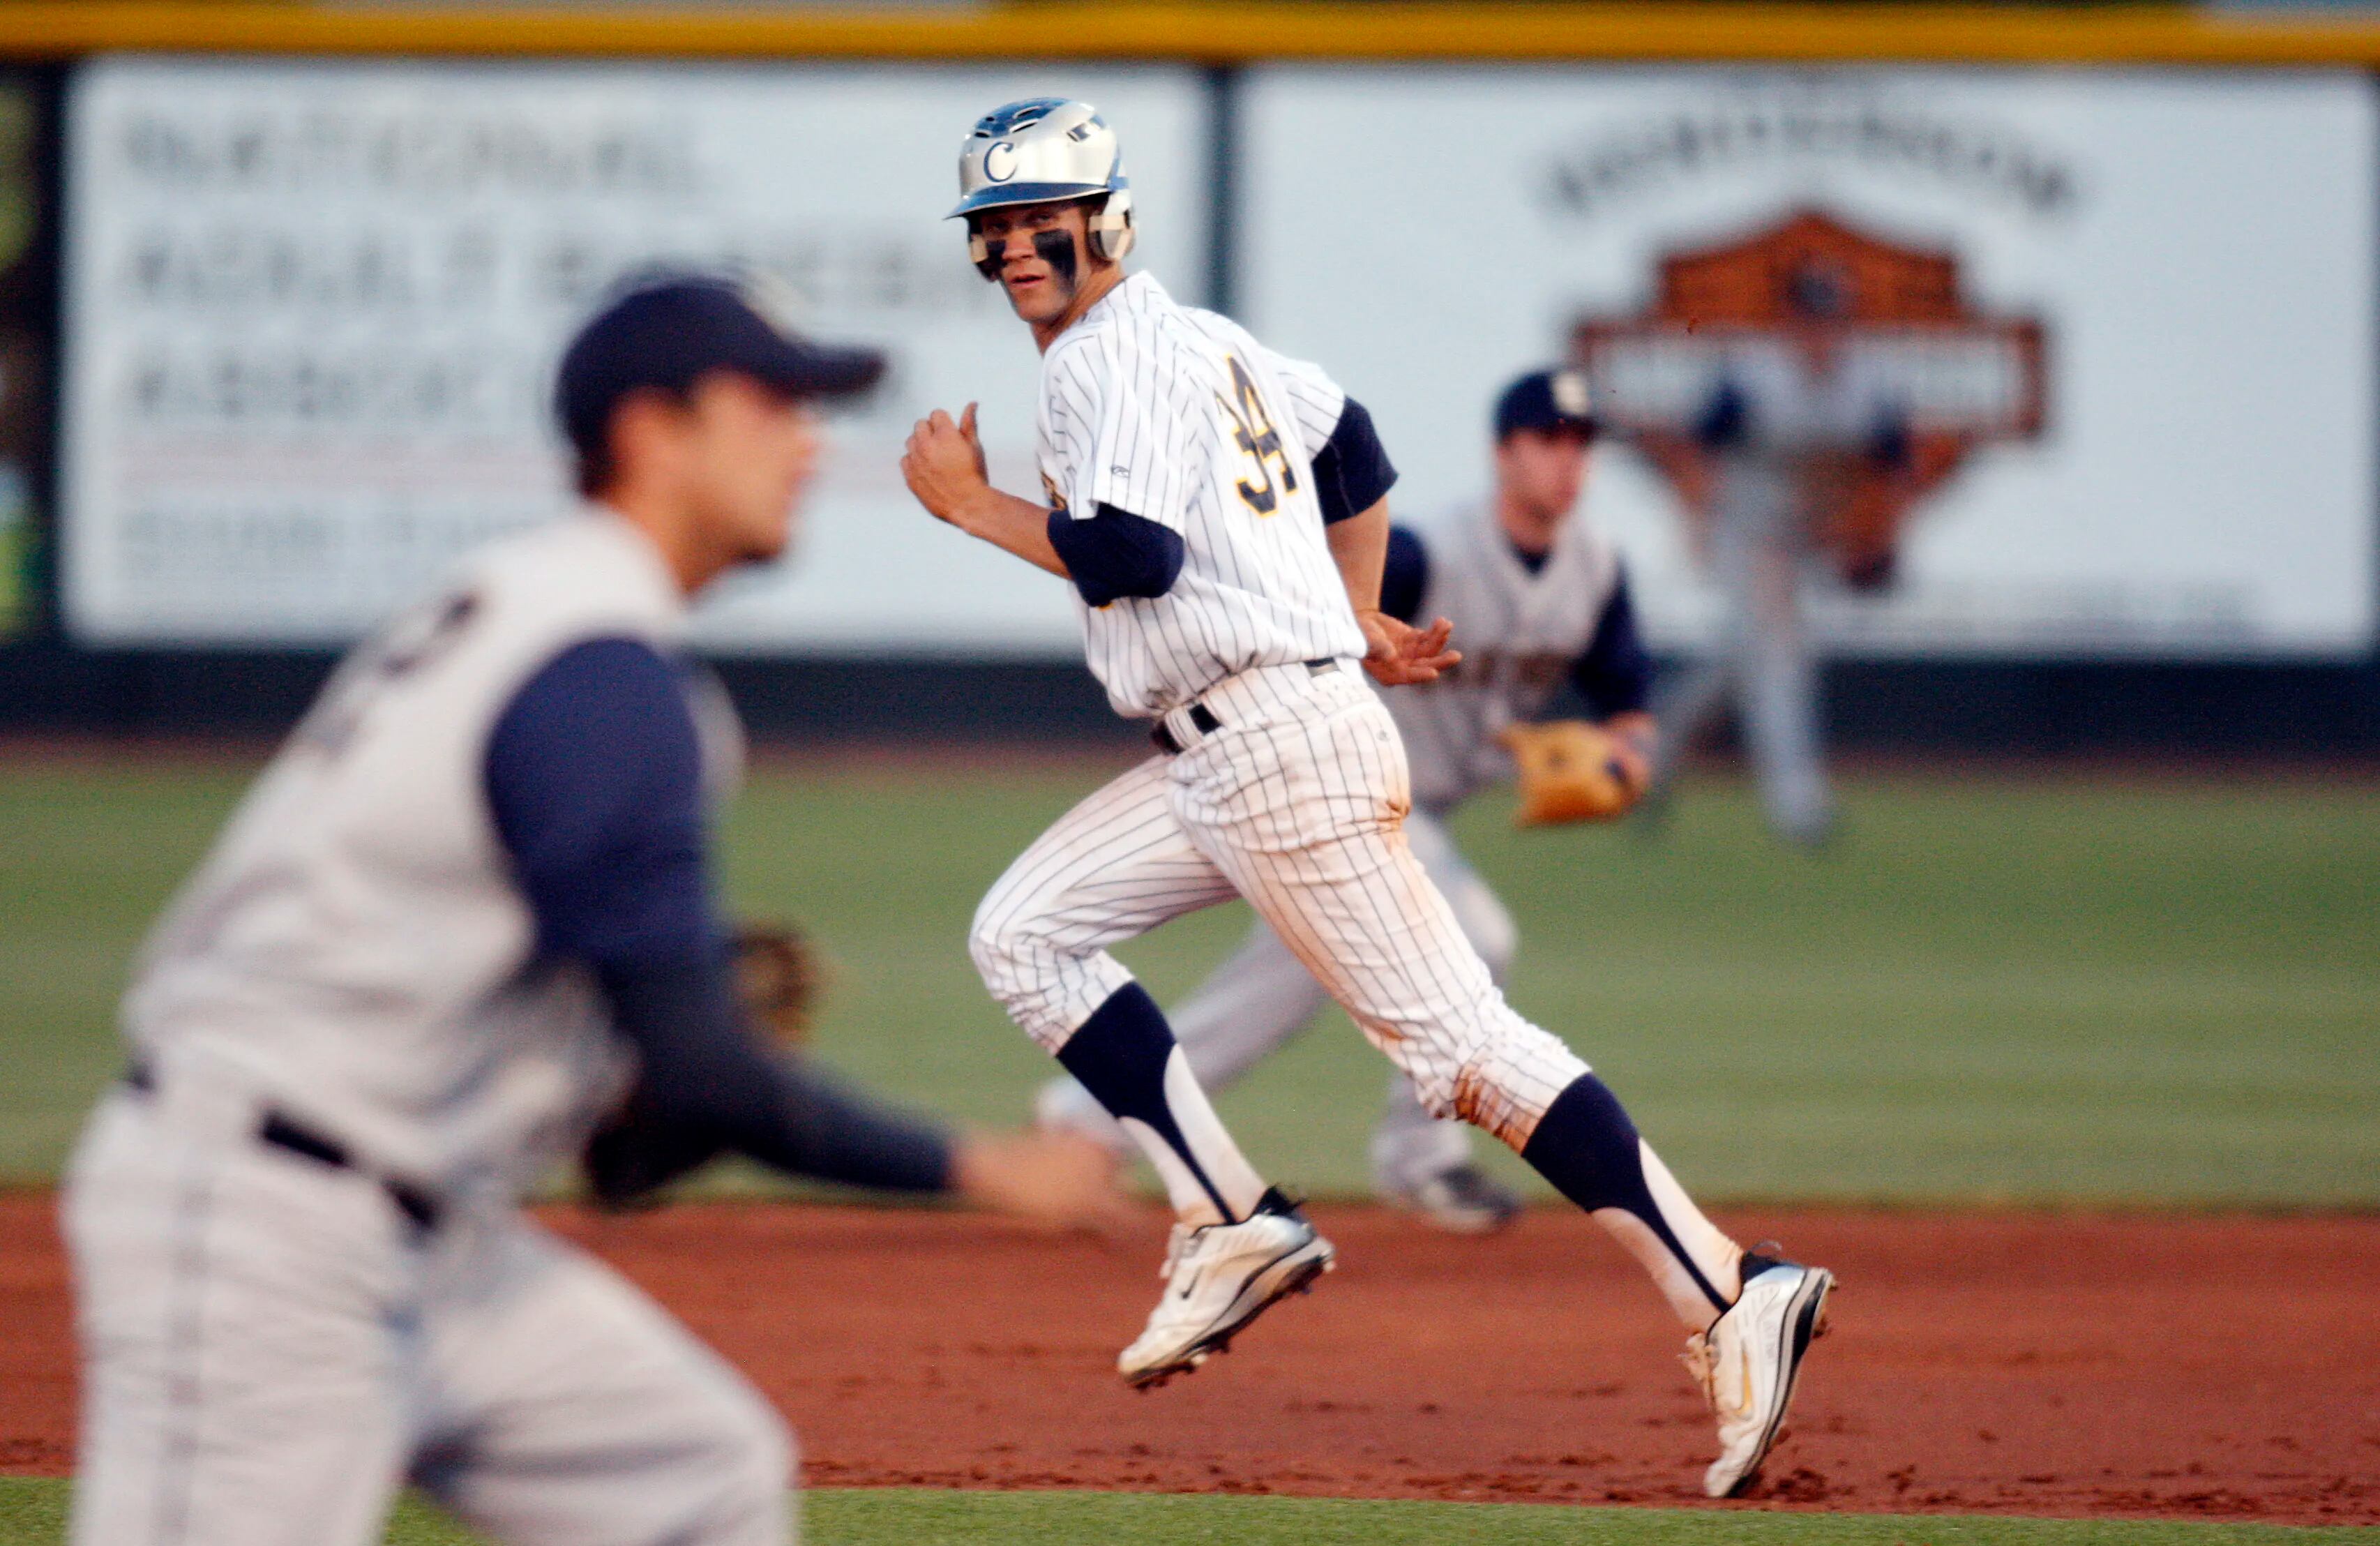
(594, 776)
(1117, 553)
(708, 1086)
(1351, 472)
(1405, 576)
(1615, 675)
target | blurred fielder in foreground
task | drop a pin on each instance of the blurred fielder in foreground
(467, 900)
(1536, 598)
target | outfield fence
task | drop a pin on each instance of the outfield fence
(283, 281)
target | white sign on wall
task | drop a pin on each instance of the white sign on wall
(2133, 311)
(313, 310)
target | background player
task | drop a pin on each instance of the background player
(1788, 431)
(1219, 511)
(1535, 597)
(468, 895)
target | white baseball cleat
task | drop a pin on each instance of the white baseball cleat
(1748, 1362)
(1219, 1277)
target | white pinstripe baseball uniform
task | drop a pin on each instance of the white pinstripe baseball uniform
(1296, 799)
(1144, 405)
(1195, 480)
(1520, 630)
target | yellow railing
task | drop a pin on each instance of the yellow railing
(1219, 34)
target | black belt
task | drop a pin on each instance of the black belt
(1200, 715)
(1204, 718)
(279, 1130)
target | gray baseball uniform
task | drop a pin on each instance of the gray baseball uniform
(1771, 412)
(300, 1270)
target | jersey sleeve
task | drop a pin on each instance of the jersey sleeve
(1315, 400)
(1121, 427)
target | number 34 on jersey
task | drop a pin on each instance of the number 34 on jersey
(1260, 442)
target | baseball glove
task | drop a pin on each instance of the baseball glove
(632, 1155)
(1571, 771)
(777, 981)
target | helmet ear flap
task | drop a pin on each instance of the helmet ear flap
(980, 252)
(1112, 231)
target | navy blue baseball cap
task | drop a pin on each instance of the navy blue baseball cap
(1548, 400)
(671, 329)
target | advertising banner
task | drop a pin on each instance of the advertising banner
(314, 309)
(2052, 364)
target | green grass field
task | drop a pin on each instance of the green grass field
(2081, 990)
(2071, 989)
(33, 1514)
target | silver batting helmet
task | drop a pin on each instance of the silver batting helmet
(1044, 149)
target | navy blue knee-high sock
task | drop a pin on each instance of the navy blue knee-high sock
(1587, 1147)
(1122, 1054)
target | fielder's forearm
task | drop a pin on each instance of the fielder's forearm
(1359, 545)
(1018, 525)
(707, 1083)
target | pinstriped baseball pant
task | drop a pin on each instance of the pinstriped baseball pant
(1298, 804)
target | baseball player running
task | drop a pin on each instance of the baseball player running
(465, 899)
(1220, 512)
(1536, 598)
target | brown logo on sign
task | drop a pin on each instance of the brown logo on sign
(1827, 298)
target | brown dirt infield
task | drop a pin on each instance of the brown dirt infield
(2023, 1363)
